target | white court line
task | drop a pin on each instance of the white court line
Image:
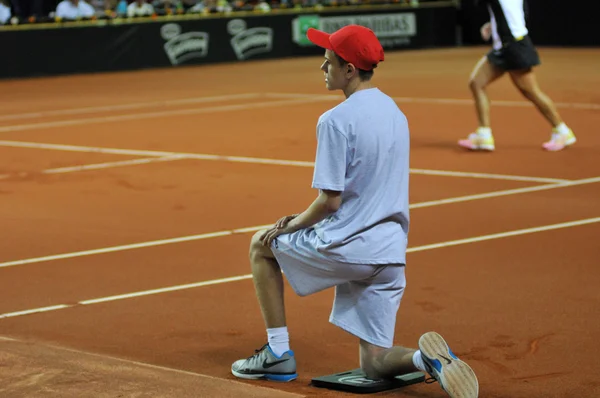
(137, 105)
(132, 246)
(503, 103)
(164, 290)
(505, 234)
(246, 159)
(97, 166)
(485, 175)
(175, 112)
(448, 101)
(198, 100)
(256, 228)
(36, 310)
(108, 165)
(78, 148)
(506, 192)
(142, 152)
(249, 276)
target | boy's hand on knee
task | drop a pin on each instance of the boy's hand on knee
(269, 235)
(283, 221)
(282, 226)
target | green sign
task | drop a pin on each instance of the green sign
(392, 29)
(300, 27)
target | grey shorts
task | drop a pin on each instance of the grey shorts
(367, 297)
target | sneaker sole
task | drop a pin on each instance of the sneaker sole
(456, 377)
(567, 143)
(565, 146)
(486, 148)
(265, 376)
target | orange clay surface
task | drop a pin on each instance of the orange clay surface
(181, 153)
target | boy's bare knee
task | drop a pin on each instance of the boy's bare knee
(368, 371)
(369, 360)
(257, 249)
(370, 368)
(255, 242)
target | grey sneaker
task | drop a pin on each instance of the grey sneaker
(264, 364)
(455, 376)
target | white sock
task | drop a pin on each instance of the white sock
(418, 361)
(279, 340)
(562, 129)
(484, 132)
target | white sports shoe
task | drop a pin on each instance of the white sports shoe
(455, 377)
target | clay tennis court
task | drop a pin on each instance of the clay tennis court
(129, 200)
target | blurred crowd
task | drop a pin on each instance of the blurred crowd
(31, 11)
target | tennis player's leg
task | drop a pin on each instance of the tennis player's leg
(526, 82)
(484, 73)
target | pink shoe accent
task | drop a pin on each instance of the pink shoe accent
(553, 145)
(475, 143)
(467, 144)
(559, 142)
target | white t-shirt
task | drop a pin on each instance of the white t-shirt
(68, 10)
(507, 18)
(5, 14)
(145, 9)
(363, 151)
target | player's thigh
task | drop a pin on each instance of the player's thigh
(309, 272)
(368, 308)
(484, 73)
(525, 80)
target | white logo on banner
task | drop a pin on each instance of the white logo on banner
(181, 47)
(249, 42)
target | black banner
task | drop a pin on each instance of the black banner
(550, 22)
(560, 23)
(167, 43)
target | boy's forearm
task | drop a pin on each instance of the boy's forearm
(322, 207)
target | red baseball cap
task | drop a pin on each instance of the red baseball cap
(354, 43)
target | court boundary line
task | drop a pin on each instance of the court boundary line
(285, 99)
(151, 115)
(131, 105)
(142, 364)
(506, 192)
(433, 246)
(93, 166)
(254, 160)
(253, 95)
(448, 101)
(188, 238)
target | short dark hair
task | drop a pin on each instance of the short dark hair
(364, 75)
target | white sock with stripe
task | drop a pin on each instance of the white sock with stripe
(418, 361)
(279, 340)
